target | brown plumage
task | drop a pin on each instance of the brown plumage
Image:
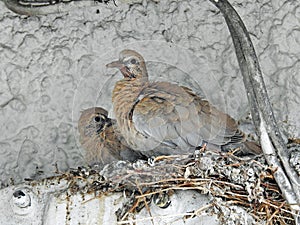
(101, 140)
(165, 118)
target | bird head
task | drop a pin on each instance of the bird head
(93, 121)
(131, 64)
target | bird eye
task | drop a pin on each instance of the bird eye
(133, 61)
(97, 119)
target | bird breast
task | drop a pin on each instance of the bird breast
(124, 97)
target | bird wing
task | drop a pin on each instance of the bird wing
(174, 115)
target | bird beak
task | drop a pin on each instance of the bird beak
(109, 122)
(115, 64)
(119, 65)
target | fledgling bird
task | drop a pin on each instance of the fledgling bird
(101, 139)
(165, 118)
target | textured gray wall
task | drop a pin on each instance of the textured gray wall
(53, 66)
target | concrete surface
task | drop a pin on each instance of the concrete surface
(53, 66)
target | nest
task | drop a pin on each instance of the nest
(230, 180)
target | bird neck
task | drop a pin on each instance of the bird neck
(124, 97)
(126, 91)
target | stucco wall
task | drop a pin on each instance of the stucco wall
(52, 66)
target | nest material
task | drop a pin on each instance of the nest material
(230, 181)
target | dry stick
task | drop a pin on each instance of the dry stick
(146, 204)
(276, 212)
(273, 145)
